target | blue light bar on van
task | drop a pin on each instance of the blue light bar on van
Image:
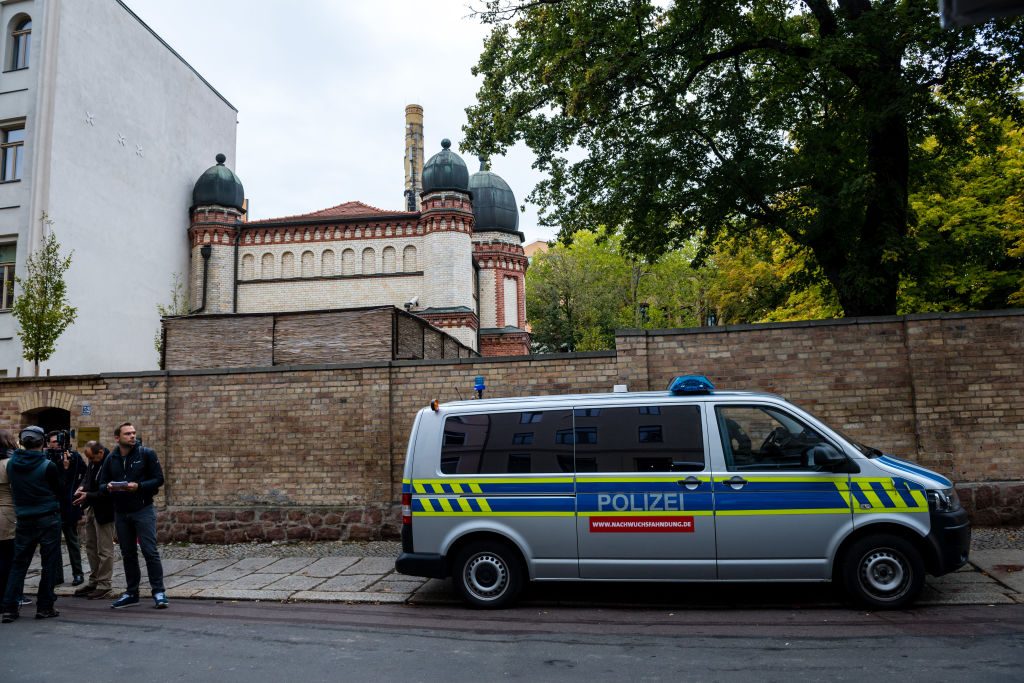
(691, 384)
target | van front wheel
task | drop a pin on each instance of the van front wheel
(883, 572)
(488, 574)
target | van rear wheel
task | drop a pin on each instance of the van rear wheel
(883, 572)
(488, 574)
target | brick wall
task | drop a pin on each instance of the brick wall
(317, 452)
(944, 390)
(307, 338)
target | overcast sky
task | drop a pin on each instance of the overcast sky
(321, 88)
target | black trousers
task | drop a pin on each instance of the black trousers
(43, 531)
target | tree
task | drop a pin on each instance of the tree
(41, 308)
(711, 118)
(177, 306)
(575, 294)
(969, 228)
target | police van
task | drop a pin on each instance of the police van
(689, 484)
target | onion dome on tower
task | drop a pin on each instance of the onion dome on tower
(219, 186)
(445, 171)
(494, 205)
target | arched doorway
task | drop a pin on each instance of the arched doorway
(50, 419)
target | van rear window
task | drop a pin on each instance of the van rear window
(627, 439)
(508, 443)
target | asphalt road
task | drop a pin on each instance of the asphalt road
(253, 642)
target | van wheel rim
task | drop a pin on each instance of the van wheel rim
(486, 576)
(883, 573)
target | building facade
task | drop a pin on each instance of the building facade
(453, 257)
(102, 130)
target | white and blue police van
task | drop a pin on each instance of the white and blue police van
(689, 484)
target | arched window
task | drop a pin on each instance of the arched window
(21, 42)
(348, 262)
(267, 266)
(409, 259)
(327, 263)
(369, 261)
(248, 266)
(287, 264)
(389, 259)
(307, 264)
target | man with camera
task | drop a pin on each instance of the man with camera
(58, 450)
(36, 486)
(132, 475)
(99, 525)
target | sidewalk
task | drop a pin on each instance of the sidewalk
(365, 573)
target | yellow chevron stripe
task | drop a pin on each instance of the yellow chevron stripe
(482, 502)
(418, 488)
(445, 504)
(464, 504)
(475, 488)
(427, 506)
(456, 488)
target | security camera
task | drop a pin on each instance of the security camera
(412, 303)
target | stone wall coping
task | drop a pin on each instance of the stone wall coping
(364, 365)
(836, 322)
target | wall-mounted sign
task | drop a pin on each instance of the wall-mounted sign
(86, 409)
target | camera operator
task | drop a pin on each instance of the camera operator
(35, 487)
(99, 525)
(58, 450)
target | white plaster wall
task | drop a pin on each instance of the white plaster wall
(133, 127)
(18, 90)
(306, 295)
(510, 295)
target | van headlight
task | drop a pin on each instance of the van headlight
(943, 500)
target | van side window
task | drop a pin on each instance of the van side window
(649, 439)
(765, 438)
(498, 443)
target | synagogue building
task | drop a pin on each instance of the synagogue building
(452, 256)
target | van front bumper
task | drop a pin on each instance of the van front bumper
(429, 565)
(950, 541)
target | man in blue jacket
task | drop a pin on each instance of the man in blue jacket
(132, 475)
(36, 486)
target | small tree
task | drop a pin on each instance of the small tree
(42, 309)
(178, 306)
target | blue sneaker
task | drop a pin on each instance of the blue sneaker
(126, 600)
(160, 599)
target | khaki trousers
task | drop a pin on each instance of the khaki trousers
(99, 548)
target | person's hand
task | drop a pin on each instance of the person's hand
(79, 496)
(67, 460)
(133, 486)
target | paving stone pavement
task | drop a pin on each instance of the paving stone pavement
(994, 576)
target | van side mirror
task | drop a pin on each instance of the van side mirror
(825, 456)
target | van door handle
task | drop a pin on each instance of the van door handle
(691, 483)
(736, 482)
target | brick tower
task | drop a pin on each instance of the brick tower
(218, 206)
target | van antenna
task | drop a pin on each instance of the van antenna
(458, 392)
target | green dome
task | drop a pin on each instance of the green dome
(219, 186)
(494, 205)
(445, 171)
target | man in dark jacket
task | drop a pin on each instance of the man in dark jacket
(36, 485)
(70, 514)
(99, 525)
(131, 475)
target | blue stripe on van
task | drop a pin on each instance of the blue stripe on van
(565, 489)
(779, 486)
(652, 502)
(742, 500)
(532, 504)
(913, 469)
(611, 486)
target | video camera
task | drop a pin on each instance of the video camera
(56, 455)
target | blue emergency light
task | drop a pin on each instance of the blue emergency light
(479, 386)
(691, 384)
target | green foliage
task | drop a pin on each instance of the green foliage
(969, 233)
(41, 308)
(177, 306)
(711, 118)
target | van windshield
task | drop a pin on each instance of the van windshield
(869, 451)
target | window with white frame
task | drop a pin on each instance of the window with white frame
(12, 151)
(7, 252)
